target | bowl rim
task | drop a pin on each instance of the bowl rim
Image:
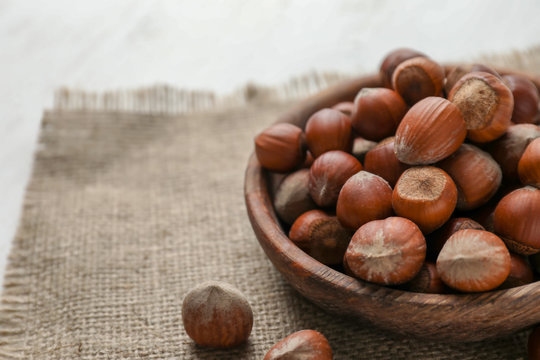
(272, 237)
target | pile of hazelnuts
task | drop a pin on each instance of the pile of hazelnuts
(430, 184)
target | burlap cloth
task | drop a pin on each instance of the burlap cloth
(127, 210)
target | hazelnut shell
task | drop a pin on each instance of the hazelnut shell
(474, 261)
(388, 252)
(529, 165)
(417, 78)
(304, 344)
(430, 131)
(326, 130)
(281, 147)
(215, 314)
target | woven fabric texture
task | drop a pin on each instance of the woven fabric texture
(126, 212)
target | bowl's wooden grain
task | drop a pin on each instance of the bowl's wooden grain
(449, 318)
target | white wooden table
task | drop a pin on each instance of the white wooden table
(219, 46)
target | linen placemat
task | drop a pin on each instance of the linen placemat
(131, 203)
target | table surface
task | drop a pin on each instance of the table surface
(216, 46)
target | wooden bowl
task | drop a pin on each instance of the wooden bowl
(448, 318)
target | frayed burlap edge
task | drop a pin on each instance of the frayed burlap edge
(164, 99)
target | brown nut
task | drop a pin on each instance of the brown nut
(361, 147)
(382, 161)
(426, 195)
(328, 174)
(301, 345)
(508, 149)
(216, 314)
(476, 175)
(427, 280)
(346, 107)
(473, 261)
(485, 103)
(391, 62)
(321, 236)
(526, 98)
(363, 198)
(292, 197)
(437, 239)
(418, 78)
(280, 147)
(430, 131)
(387, 252)
(520, 272)
(459, 71)
(529, 165)
(377, 113)
(326, 130)
(516, 220)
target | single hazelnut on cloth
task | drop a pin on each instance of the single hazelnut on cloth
(473, 261)
(388, 252)
(377, 113)
(486, 104)
(430, 131)
(301, 345)
(281, 147)
(426, 195)
(216, 314)
(517, 220)
(529, 165)
(321, 236)
(475, 173)
(363, 198)
(417, 78)
(326, 130)
(328, 174)
(391, 62)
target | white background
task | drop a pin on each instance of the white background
(215, 45)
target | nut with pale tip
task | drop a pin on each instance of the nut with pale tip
(301, 345)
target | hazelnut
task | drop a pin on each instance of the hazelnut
(459, 71)
(507, 150)
(346, 107)
(520, 272)
(292, 197)
(516, 220)
(526, 98)
(361, 147)
(321, 236)
(363, 198)
(427, 280)
(430, 131)
(438, 238)
(426, 195)
(529, 165)
(418, 78)
(476, 175)
(388, 252)
(327, 130)
(301, 345)
(328, 174)
(216, 314)
(377, 113)
(473, 261)
(392, 60)
(485, 103)
(280, 147)
(533, 344)
(382, 161)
